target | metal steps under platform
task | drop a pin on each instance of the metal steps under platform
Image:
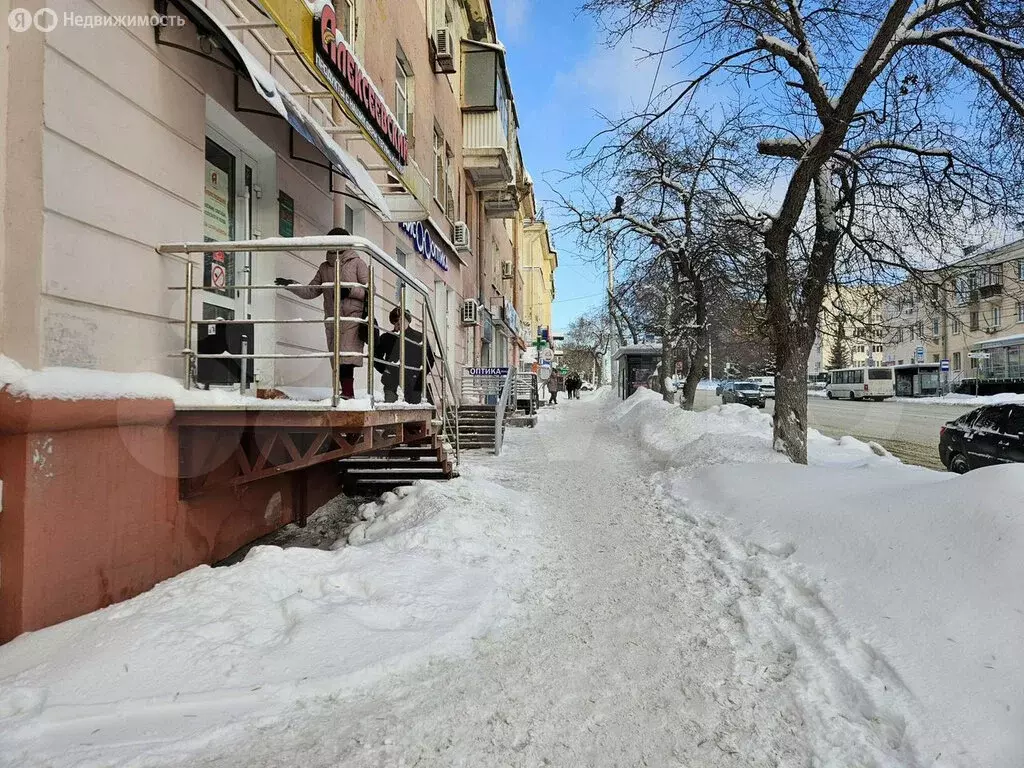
(372, 474)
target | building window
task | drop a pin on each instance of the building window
(935, 326)
(439, 167)
(975, 321)
(401, 258)
(974, 363)
(347, 19)
(403, 92)
(449, 183)
(1020, 311)
(957, 362)
(958, 327)
(1020, 269)
(878, 348)
(997, 316)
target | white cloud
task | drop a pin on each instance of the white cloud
(615, 80)
(513, 17)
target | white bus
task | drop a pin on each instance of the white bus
(861, 383)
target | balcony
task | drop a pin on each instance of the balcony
(485, 152)
(501, 205)
(990, 290)
(408, 198)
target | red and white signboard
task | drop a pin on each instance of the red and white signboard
(218, 275)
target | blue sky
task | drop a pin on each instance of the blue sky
(562, 74)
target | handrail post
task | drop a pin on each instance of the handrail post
(423, 377)
(401, 343)
(335, 384)
(369, 332)
(188, 323)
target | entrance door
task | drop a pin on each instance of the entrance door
(227, 215)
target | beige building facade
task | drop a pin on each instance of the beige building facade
(221, 123)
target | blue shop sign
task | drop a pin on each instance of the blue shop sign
(424, 244)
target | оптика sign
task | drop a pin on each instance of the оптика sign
(424, 244)
(488, 371)
(346, 76)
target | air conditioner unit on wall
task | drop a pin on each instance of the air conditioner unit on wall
(508, 270)
(444, 48)
(470, 312)
(460, 235)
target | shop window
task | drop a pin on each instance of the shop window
(403, 91)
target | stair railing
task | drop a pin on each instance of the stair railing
(499, 412)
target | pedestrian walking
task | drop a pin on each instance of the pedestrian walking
(387, 352)
(352, 336)
(553, 389)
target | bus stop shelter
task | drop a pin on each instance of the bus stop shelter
(636, 364)
(918, 380)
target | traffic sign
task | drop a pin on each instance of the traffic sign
(545, 373)
(979, 355)
(919, 354)
(944, 365)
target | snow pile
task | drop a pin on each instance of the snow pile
(968, 400)
(87, 384)
(215, 647)
(725, 434)
(902, 582)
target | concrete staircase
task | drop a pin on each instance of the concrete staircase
(476, 427)
(375, 473)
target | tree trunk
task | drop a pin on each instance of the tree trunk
(668, 367)
(694, 373)
(790, 423)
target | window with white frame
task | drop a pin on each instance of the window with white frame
(449, 183)
(403, 91)
(957, 362)
(997, 316)
(1020, 269)
(347, 19)
(439, 167)
(957, 326)
(1020, 311)
(935, 326)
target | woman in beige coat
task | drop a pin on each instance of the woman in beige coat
(353, 270)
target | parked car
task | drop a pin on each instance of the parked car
(767, 385)
(993, 434)
(586, 386)
(742, 392)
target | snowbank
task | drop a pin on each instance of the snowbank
(87, 384)
(908, 579)
(213, 646)
(968, 400)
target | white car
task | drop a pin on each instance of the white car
(586, 386)
(767, 385)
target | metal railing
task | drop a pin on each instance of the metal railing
(527, 388)
(499, 412)
(442, 376)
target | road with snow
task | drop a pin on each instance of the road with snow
(907, 429)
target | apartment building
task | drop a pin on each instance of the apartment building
(231, 121)
(537, 263)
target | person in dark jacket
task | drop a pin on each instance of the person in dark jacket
(388, 358)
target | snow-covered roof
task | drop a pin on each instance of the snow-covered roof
(1016, 338)
(637, 349)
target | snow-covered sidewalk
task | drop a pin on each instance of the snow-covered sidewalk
(616, 589)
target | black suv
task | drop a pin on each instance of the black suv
(743, 392)
(990, 435)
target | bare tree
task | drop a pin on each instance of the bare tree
(586, 343)
(677, 188)
(896, 127)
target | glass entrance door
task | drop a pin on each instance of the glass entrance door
(228, 202)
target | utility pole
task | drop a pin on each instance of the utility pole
(612, 338)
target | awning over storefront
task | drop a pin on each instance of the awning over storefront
(286, 106)
(1005, 341)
